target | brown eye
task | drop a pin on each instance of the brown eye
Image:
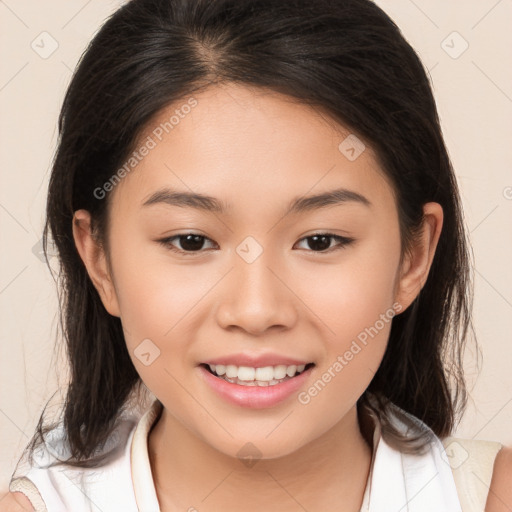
(321, 242)
(189, 242)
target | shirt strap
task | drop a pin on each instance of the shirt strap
(472, 464)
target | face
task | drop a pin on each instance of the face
(315, 285)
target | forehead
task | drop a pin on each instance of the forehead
(250, 146)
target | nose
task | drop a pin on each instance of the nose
(256, 297)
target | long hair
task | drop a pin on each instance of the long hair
(346, 58)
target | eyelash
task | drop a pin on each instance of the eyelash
(343, 242)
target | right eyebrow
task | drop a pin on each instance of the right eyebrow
(186, 199)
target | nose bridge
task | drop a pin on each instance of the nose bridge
(257, 297)
(253, 274)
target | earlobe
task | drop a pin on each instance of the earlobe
(94, 259)
(418, 260)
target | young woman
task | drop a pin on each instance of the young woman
(265, 272)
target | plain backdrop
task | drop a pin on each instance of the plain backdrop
(467, 48)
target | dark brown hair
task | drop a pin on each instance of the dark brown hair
(345, 57)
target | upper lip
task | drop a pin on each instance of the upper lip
(256, 361)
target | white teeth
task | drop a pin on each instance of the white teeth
(280, 371)
(260, 383)
(260, 376)
(231, 371)
(266, 373)
(291, 370)
(246, 373)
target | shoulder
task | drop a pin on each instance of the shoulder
(16, 502)
(43, 477)
(500, 491)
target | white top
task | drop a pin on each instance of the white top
(397, 481)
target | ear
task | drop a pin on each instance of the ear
(94, 258)
(418, 260)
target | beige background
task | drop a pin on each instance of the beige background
(474, 94)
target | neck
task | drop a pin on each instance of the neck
(189, 473)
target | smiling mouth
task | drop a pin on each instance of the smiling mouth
(265, 376)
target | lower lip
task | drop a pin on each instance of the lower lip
(256, 397)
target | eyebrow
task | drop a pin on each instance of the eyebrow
(297, 205)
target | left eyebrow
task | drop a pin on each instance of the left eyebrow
(325, 199)
(297, 205)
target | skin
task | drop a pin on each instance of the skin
(256, 150)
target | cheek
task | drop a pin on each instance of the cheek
(354, 300)
(153, 294)
(357, 308)
(349, 297)
(161, 305)
(156, 301)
